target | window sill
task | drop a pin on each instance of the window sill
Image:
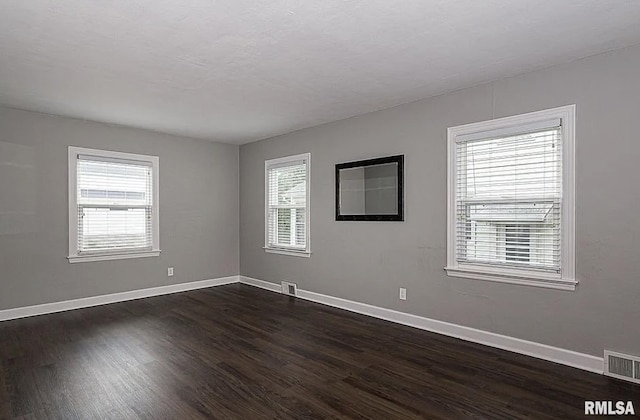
(106, 257)
(292, 252)
(524, 279)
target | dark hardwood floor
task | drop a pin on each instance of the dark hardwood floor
(240, 352)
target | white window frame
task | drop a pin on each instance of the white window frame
(74, 254)
(564, 280)
(297, 252)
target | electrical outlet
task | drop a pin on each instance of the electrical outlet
(403, 293)
(170, 271)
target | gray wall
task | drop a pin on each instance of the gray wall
(198, 210)
(369, 261)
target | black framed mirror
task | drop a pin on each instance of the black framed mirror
(371, 190)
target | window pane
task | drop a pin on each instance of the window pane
(291, 228)
(287, 201)
(108, 229)
(508, 200)
(284, 227)
(113, 210)
(519, 166)
(287, 185)
(113, 183)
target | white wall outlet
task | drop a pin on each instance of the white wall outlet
(403, 293)
(170, 271)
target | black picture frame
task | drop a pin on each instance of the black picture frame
(397, 217)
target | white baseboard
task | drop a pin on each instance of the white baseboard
(541, 351)
(48, 308)
(273, 287)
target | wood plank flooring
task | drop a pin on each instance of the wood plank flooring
(237, 352)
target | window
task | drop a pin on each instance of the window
(511, 199)
(113, 205)
(287, 205)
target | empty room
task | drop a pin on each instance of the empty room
(319, 210)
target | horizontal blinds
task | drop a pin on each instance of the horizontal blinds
(509, 199)
(115, 160)
(511, 131)
(287, 205)
(114, 204)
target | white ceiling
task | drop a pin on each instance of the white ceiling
(242, 70)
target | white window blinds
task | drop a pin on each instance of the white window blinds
(508, 198)
(114, 205)
(287, 203)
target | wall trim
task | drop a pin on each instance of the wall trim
(541, 351)
(66, 305)
(273, 287)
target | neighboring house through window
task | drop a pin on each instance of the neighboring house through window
(511, 199)
(287, 205)
(113, 205)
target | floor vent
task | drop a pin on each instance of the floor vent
(290, 289)
(622, 366)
